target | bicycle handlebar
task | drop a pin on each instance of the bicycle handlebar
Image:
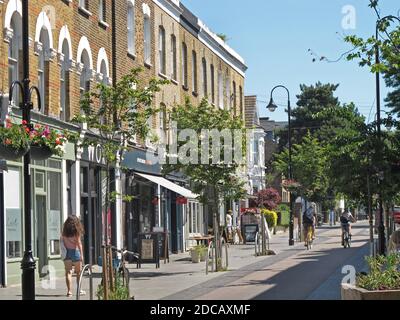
(122, 251)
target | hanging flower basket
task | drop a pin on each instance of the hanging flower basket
(40, 152)
(14, 142)
(10, 153)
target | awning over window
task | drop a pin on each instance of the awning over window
(169, 185)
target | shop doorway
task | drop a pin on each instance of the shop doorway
(41, 235)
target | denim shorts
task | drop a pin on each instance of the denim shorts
(73, 254)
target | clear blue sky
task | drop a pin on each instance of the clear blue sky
(273, 36)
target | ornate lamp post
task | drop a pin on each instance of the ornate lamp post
(272, 107)
(28, 264)
(381, 227)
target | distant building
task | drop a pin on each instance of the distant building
(255, 150)
(271, 128)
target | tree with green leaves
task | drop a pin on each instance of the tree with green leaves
(309, 164)
(388, 42)
(311, 100)
(215, 180)
(112, 116)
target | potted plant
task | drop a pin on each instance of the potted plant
(198, 253)
(14, 140)
(46, 142)
(381, 283)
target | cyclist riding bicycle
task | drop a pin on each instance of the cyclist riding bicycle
(345, 220)
(309, 221)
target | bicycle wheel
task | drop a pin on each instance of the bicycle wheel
(345, 240)
(124, 274)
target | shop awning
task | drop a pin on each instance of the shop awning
(169, 185)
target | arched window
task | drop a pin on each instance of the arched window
(147, 34)
(15, 67)
(234, 97)
(194, 71)
(161, 50)
(184, 65)
(64, 83)
(204, 73)
(220, 91)
(43, 68)
(212, 71)
(174, 74)
(228, 91)
(241, 100)
(84, 83)
(131, 28)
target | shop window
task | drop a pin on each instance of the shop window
(54, 218)
(13, 212)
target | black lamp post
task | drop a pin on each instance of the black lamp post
(381, 227)
(272, 107)
(28, 264)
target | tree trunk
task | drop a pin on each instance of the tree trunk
(217, 235)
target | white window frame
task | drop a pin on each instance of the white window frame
(147, 37)
(174, 71)
(131, 28)
(161, 51)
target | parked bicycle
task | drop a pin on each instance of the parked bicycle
(119, 265)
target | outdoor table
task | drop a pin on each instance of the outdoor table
(205, 239)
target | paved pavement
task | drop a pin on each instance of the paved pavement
(294, 273)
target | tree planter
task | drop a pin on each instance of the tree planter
(10, 153)
(350, 292)
(40, 152)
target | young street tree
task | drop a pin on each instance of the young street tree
(215, 178)
(112, 116)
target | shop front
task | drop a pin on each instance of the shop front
(48, 215)
(92, 188)
(157, 203)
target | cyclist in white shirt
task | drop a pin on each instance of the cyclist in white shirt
(345, 220)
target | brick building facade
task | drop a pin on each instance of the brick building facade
(71, 49)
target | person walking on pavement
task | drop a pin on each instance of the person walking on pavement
(71, 240)
(331, 217)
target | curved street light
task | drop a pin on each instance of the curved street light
(28, 264)
(272, 107)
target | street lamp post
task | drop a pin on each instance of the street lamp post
(272, 107)
(381, 227)
(28, 264)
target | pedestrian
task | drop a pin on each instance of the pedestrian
(332, 217)
(394, 242)
(71, 240)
